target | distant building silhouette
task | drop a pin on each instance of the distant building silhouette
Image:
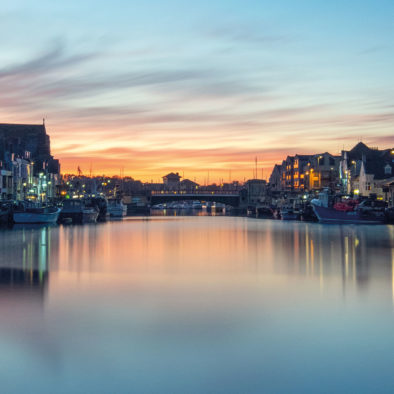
(172, 181)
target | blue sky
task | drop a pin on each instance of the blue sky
(155, 86)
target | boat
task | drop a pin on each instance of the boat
(100, 204)
(89, 215)
(196, 204)
(289, 214)
(348, 210)
(137, 206)
(78, 211)
(26, 212)
(116, 208)
(307, 213)
(357, 216)
(6, 212)
(264, 212)
(218, 207)
(158, 206)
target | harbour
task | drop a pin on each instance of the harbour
(196, 198)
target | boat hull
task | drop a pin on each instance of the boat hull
(35, 217)
(289, 215)
(90, 216)
(329, 215)
(117, 212)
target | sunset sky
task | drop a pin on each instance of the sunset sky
(196, 87)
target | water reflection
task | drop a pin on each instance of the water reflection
(358, 255)
(196, 304)
(24, 254)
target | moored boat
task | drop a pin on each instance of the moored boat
(196, 204)
(78, 212)
(26, 212)
(264, 212)
(357, 216)
(116, 208)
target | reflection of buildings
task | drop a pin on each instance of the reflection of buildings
(362, 258)
(24, 264)
(29, 282)
(24, 279)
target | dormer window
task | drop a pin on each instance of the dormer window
(387, 169)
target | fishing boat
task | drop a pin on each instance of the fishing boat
(26, 212)
(100, 204)
(116, 208)
(359, 215)
(78, 211)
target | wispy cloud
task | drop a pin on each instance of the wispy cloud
(212, 98)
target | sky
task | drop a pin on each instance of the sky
(142, 88)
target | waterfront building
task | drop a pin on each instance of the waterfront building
(288, 173)
(306, 173)
(388, 188)
(365, 170)
(299, 169)
(172, 181)
(275, 180)
(25, 157)
(188, 186)
(22, 176)
(321, 171)
(256, 189)
(6, 185)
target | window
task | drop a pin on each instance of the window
(387, 169)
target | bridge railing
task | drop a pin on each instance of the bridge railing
(196, 192)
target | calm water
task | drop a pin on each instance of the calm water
(197, 305)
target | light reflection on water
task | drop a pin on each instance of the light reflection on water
(196, 305)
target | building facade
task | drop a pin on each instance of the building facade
(28, 170)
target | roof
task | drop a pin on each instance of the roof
(360, 150)
(34, 137)
(303, 157)
(20, 130)
(189, 182)
(377, 168)
(172, 175)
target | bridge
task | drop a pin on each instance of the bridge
(235, 199)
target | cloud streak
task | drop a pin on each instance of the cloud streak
(208, 99)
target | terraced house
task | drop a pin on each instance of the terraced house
(306, 172)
